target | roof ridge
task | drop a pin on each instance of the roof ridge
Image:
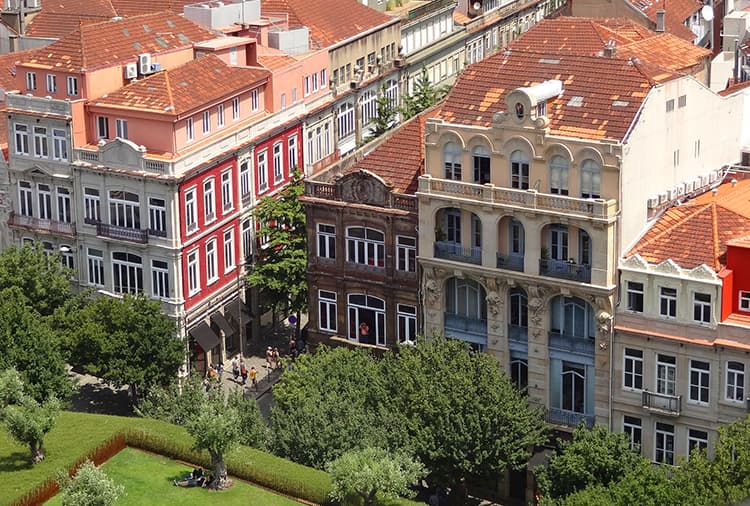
(715, 234)
(168, 86)
(646, 242)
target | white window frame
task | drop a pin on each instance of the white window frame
(368, 106)
(326, 241)
(632, 370)
(59, 144)
(744, 300)
(67, 258)
(51, 83)
(121, 128)
(699, 382)
(235, 108)
(220, 115)
(206, 120)
(667, 440)
(189, 130)
(406, 323)
(72, 86)
(128, 268)
(701, 308)
(31, 81)
(124, 209)
(633, 292)
(666, 374)
(292, 153)
(346, 120)
(44, 201)
(191, 212)
(41, 142)
(263, 171)
(668, 302)
(278, 163)
(159, 279)
(193, 272)
(102, 127)
(378, 327)
(365, 250)
(226, 191)
(245, 178)
(406, 253)
(95, 263)
(157, 216)
(696, 437)
(327, 311)
(209, 201)
(212, 267)
(64, 205)
(21, 132)
(229, 263)
(254, 100)
(306, 86)
(25, 198)
(633, 427)
(92, 205)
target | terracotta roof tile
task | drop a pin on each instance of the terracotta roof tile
(400, 158)
(184, 88)
(137, 7)
(608, 91)
(111, 42)
(273, 59)
(709, 221)
(675, 14)
(589, 36)
(329, 21)
(57, 25)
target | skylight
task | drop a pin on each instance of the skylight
(576, 101)
(620, 103)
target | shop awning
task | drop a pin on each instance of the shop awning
(222, 322)
(206, 338)
(234, 308)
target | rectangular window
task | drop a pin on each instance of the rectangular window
(51, 83)
(31, 81)
(59, 144)
(346, 120)
(25, 195)
(233, 56)
(211, 268)
(220, 115)
(96, 267)
(121, 127)
(283, 101)
(407, 323)
(102, 127)
(702, 307)
(127, 272)
(670, 105)
(45, 201)
(72, 86)
(63, 205)
(365, 246)
(245, 178)
(635, 296)
(682, 101)
(633, 428)
(226, 190)
(194, 280)
(633, 369)
(292, 153)
(697, 440)
(206, 122)
(327, 311)
(315, 82)
(368, 106)
(160, 279)
(406, 253)
(41, 145)
(92, 206)
(228, 250)
(124, 209)
(247, 240)
(323, 78)
(157, 217)
(209, 198)
(254, 100)
(700, 373)
(191, 222)
(262, 171)
(306, 81)
(189, 132)
(664, 447)
(326, 241)
(735, 381)
(668, 302)
(744, 300)
(22, 139)
(278, 164)
(666, 373)
(67, 258)
(235, 108)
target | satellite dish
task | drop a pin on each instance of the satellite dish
(707, 12)
(476, 6)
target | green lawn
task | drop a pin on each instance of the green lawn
(147, 479)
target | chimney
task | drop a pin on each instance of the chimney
(660, 20)
(610, 49)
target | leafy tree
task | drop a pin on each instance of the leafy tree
(216, 429)
(329, 403)
(461, 413)
(175, 403)
(385, 114)
(594, 456)
(373, 471)
(30, 346)
(89, 487)
(280, 271)
(128, 341)
(425, 95)
(253, 429)
(42, 279)
(11, 387)
(30, 422)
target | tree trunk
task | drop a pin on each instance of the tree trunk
(37, 452)
(133, 390)
(369, 498)
(219, 479)
(299, 323)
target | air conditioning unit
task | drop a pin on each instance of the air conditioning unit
(475, 8)
(144, 63)
(398, 63)
(653, 202)
(663, 198)
(131, 71)
(371, 69)
(155, 67)
(353, 84)
(671, 194)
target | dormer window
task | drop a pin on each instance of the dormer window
(519, 110)
(541, 109)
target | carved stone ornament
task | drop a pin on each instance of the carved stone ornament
(432, 290)
(362, 187)
(604, 322)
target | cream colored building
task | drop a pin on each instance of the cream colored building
(534, 186)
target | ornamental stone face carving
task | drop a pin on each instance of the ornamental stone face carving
(364, 188)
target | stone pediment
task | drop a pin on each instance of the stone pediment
(364, 187)
(703, 272)
(668, 267)
(37, 171)
(122, 153)
(635, 262)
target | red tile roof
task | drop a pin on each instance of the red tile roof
(709, 221)
(675, 14)
(611, 91)
(185, 88)
(399, 159)
(329, 21)
(112, 42)
(589, 36)
(57, 25)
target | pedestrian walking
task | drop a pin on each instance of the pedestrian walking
(292, 345)
(220, 371)
(254, 378)
(235, 370)
(269, 358)
(276, 359)
(243, 372)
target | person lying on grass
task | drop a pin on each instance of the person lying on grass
(195, 479)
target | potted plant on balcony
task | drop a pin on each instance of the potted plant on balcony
(440, 234)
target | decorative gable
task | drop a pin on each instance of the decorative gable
(122, 153)
(635, 262)
(668, 267)
(703, 272)
(364, 187)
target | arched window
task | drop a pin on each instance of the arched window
(519, 373)
(558, 175)
(517, 237)
(519, 312)
(572, 317)
(591, 179)
(481, 161)
(465, 298)
(519, 170)
(452, 161)
(365, 246)
(366, 319)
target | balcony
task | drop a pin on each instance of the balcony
(518, 334)
(597, 209)
(510, 262)
(564, 269)
(454, 251)
(571, 344)
(664, 404)
(122, 233)
(464, 324)
(42, 226)
(559, 416)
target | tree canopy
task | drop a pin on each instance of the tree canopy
(424, 96)
(385, 114)
(89, 487)
(29, 421)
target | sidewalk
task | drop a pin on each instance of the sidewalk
(255, 356)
